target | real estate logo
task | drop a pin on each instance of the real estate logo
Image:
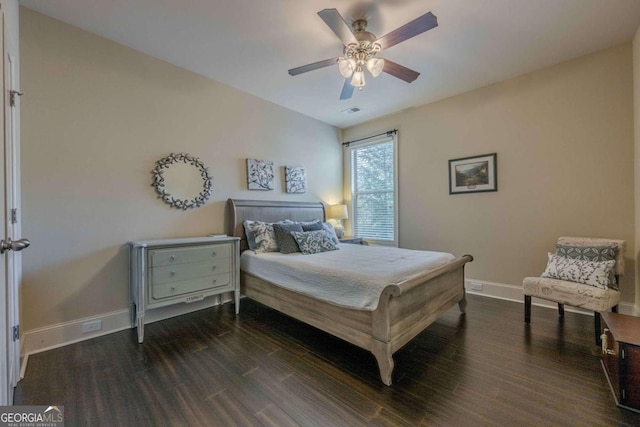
(31, 416)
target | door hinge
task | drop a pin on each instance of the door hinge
(12, 97)
(16, 332)
(14, 216)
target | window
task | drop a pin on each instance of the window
(373, 182)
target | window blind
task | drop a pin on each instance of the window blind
(372, 191)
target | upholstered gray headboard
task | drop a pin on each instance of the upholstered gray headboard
(239, 211)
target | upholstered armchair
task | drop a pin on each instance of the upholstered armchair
(585, 272)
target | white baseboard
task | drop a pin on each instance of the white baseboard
(54, 336)
(514, 293)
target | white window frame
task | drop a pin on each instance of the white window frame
(348, 184)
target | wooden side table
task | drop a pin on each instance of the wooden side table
(621, 357)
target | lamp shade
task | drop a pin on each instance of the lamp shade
(337, 212)
(346, 67)
(375, 66)
(358, 78)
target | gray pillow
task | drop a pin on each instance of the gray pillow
(251, 238)
(313, 242)
(314, 225)
(284, 239)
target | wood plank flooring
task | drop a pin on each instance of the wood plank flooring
(261, 368)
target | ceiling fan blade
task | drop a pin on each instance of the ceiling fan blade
(400, 71)
(347, 90)
(336, 22)
(314, 66)
(408, 30)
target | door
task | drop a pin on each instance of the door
(6, 392)
(10, 245)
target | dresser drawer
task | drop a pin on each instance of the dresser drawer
(172, 256)
(170, 272)
(173, 289)
(180, 272)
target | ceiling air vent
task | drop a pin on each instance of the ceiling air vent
(351, 110)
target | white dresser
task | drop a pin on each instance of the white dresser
(184, 270)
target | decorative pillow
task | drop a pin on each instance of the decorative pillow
(251, 239)
(328, 227)
(314, 225)
(588, 253)
(267, 236)
(264, 237)
(284, 239)
(591, 253)
(313, 242)
(593, 273)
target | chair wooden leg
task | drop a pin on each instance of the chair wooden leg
(614, 308)
(596, 321)
(560, 310)
(527, 309)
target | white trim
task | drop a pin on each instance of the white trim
(514, 293)
(55, 336)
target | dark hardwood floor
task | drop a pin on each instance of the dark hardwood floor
(262, 368)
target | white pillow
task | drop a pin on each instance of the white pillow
(593, 273)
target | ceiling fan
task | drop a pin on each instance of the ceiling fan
(361, 48)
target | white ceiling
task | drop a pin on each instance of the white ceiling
(250, 44)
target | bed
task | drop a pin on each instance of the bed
(402, 311)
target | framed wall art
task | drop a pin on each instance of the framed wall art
(473, 174)
(296, 179)
(260, 174)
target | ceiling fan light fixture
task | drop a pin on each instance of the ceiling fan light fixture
(375, 66)
(346, 67)
(358, 78)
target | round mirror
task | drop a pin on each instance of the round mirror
(182, 181)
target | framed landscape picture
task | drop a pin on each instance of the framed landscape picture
(473, 174)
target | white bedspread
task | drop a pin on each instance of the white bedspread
(353, 276)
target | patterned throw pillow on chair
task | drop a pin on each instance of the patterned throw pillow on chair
(593, 273)
(591, 253)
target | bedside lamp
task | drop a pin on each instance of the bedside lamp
(337, 213)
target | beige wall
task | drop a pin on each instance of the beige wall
(95, 118)
(564, 138)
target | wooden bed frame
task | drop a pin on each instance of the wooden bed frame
(404, 310)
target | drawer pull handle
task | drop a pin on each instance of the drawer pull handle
(173, 290)
(172, 273)
(172, 258)
(213, 268)
(214, 282)
(213, 254)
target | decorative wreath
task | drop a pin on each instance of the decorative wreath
(158, 181)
